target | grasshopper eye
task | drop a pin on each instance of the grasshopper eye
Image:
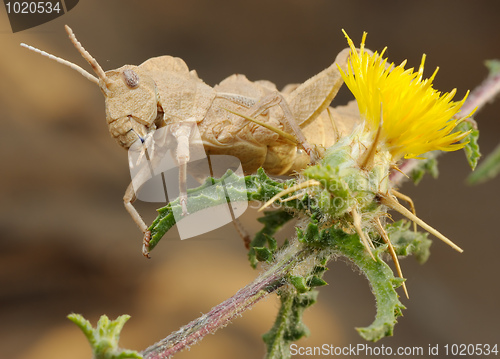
(131, 78)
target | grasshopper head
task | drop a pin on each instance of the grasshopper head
(131, 103)
(130, 93)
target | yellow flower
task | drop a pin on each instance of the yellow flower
(415, 117)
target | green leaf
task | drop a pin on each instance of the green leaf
(299, 283)
(427, 165)
(472, 147)
(288, 326)
(378, 273)
(408, 242)
(273, 221)
(319, 270)
(263, 254)
(381, 279)
(488, 169)
(315, 281)
(104, 338)
(259, 187)
(222, 189)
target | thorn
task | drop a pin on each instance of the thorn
(395, 259)
(410, 202)
(357, 225)
(291, 198)
(334, 125)
(394, 167)
(366, 160)
(306, 184)
(392, 203)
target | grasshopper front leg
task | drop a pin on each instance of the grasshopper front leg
(128, 200)
(182, 133)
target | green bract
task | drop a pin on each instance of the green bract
(344, 185)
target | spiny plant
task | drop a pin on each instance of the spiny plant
(341, 203)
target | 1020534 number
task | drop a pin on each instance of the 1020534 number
(471, 349)
(32, 7)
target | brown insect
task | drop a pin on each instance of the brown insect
(280, 131)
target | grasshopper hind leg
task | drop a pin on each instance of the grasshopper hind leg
(242, 232)
(277, 99)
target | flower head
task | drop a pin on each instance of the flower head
(415, 118)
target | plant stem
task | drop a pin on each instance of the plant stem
(222, 314)
(275, 276)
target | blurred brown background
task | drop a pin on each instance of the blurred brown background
(68, 245)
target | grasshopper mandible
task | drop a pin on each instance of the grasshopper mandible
(252, 121)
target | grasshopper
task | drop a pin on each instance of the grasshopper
(252, 121)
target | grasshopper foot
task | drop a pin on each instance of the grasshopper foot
(145, 244)
(184, 206)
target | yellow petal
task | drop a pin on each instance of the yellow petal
(416, 118)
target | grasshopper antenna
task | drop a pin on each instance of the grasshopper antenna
(77, 68)
(95, 66)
